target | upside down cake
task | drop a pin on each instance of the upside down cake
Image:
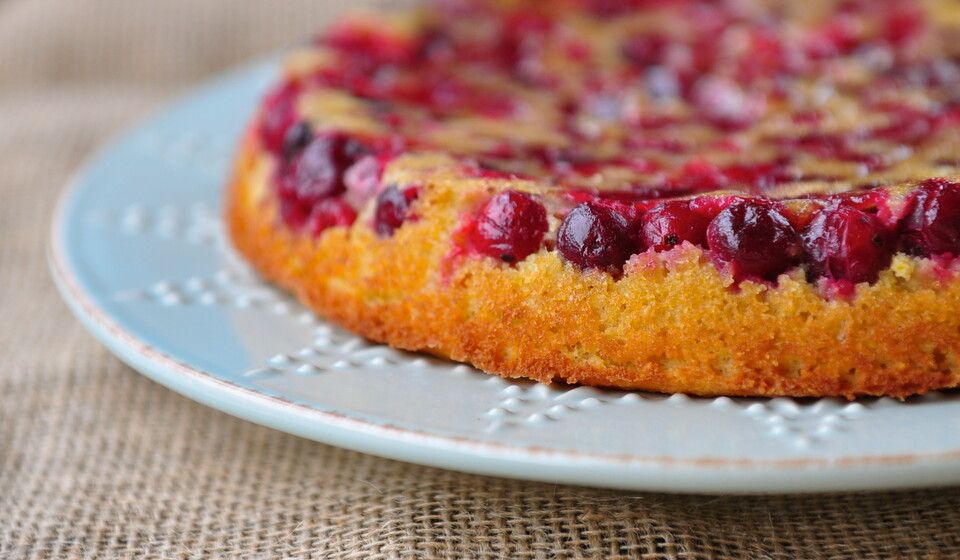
(734, 197)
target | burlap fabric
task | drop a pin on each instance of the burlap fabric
(98, 462)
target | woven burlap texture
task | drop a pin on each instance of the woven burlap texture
(99, 462)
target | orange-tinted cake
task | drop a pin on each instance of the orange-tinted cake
(733, 197)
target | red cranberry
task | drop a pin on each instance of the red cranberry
(698, 175)
(933, 225)
(296, 139)
(904, 24)
(629, 210)
(672, 223)
(293, 213)
(755, 239)
(313, 174)
(593, 235)
(612, 8)
(520, 45)
(645, 50)
(761, 175)
(836, 37)
(510, 226)
(845, 243)
(563, 161)
(328, 213)
(279, 114)
(393, 208)
(767, 56)
(710, 206)
(316, 172)
(811, 116)
(437, 46)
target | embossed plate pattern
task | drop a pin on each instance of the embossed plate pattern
(139, 254)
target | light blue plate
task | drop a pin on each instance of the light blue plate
(138, 253)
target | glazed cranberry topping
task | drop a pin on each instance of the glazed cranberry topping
(755, 239)
(328, 213)
(620, 146)
(593, 235)
(510, 226)
(393, 209)
(933, 225)
(672, 223)
(845, 243)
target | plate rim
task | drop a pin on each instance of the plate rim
(485, 457)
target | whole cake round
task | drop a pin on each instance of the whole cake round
(737, 197)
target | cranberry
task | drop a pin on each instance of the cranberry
(437, 46)
(645, 50)
(328, 213)
(593, 235)
(563, 161)
(761, 175)
(767, 56)
(279, 114)
(293, 213)
(908, 126)
(904, 25)
(296, 139)
(755, 239)
(698, 175)
(710, 206)
(933, 225)
(811, 116)
(520, 45)
(845, 243)
(612, 8)
(393, 208)
(313, 174)
(672, 223)
(510, 226)
(836, 37)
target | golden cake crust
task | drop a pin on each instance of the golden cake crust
(672, 323)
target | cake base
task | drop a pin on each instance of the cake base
(672, 323)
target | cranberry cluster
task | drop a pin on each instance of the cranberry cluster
(321, 179)
(756, 238)
(751, 235)
(309, 177)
